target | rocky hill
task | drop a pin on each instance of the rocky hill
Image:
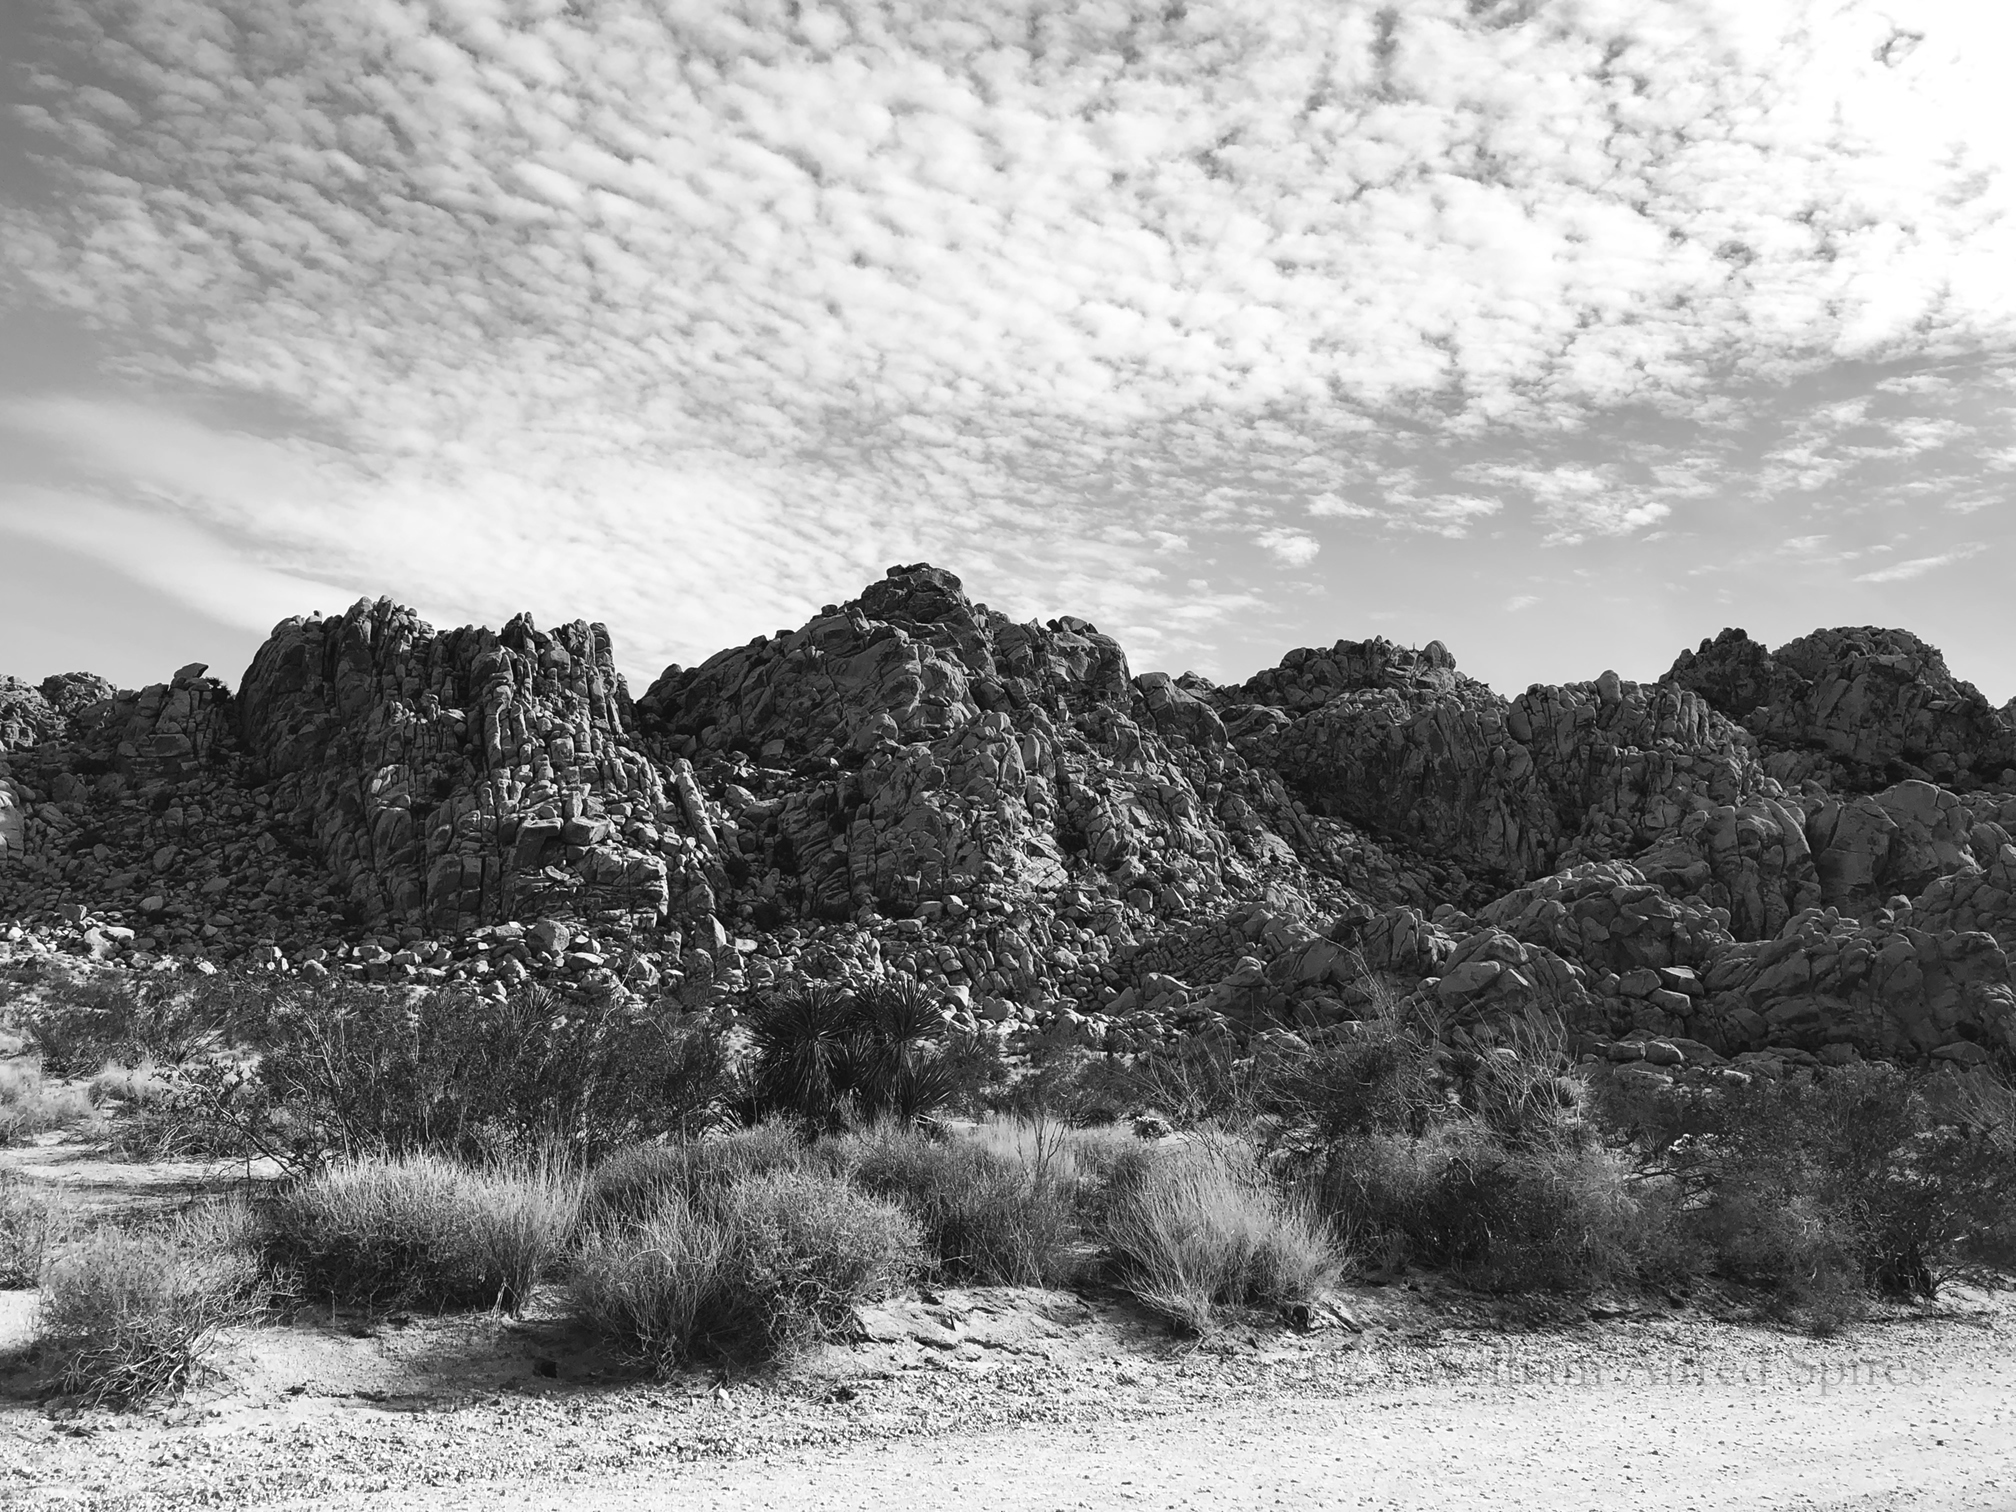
(1792, 854)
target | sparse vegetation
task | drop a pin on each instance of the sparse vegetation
(34, 1219)
(1866, 1178)
(426, 1230)
(1192, 1229)
(127, 1315)
(775, 1262)
(346, 1071)
(452, 1151)
(30, 1104)
(987, 1216)
(632, 1183)
(79, 1026)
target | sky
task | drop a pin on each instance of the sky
(1567, 332)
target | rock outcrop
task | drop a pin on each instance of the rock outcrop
(462, 779)
(1805, 854)
(1860, 708)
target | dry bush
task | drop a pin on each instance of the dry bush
(1079, 1160)
(659, 1284)
(355, 1071)
(425, 1230)
(1866, 1177)
(1191, 1229)
(109, 1018)
(630, 1183)
(1457, 1199)
(986, 1216)
(127, 1315)
(34, 1219)
(779, 1261)
(30, 1105)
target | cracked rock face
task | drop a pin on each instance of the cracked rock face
(1800, 854)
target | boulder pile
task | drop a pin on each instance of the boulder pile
(1804, 854)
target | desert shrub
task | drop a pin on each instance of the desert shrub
(1069, 1084)
(777, 1263)
(120, 1019)
(660, 1285)
(985, 1216)
(1376, 1075)
(630, 1183)
(1075, 1160)
(422, 1229)
(34, 1218)
(830, 1056)
(127, 1315)
(355, 1070)
(29, 1105)
(1792, 1183)
(1457, 1199)
(1194, 1228)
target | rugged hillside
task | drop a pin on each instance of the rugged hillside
(1806, 852)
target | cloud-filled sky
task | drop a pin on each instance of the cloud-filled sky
(1566, 331)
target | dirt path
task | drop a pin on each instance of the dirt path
(999, 1399)
(1903, 1436)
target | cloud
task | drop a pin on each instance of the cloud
(181, 560)
(1521, 601)
(1291, 546)
(695, 317)
(1919, 566)
(1580, 501)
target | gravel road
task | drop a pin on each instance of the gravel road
(1666, 1412)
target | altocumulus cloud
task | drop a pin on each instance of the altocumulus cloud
(1120, 306)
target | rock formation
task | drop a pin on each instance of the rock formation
(1792, 855)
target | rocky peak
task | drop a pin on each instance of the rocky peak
(1855, 709)
(458, 778)
(1309, 677)
(26, 717)
(912, 781)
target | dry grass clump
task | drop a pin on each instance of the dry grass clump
(771, 1263)
(128, 1315)
(33, 1220)
(425, 1230)
(31, 1105)
(634, 1182)
(987, 1215)
(1193, 1228)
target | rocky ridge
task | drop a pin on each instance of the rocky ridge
(1762, 857)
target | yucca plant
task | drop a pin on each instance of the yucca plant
(829, 1057)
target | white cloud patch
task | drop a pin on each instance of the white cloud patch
(693, 317)
(1919, 566)
(1578, 502)
(1521, 601)
(1290, 546)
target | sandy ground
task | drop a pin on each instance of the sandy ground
(1948, 1442)
(1044, 1400)
(994, 1398)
